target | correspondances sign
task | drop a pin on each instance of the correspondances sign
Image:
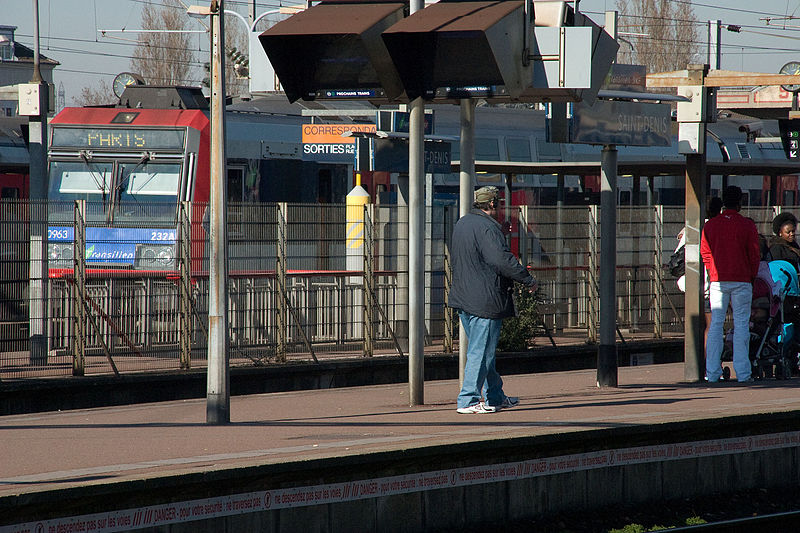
(621, 122)
(324, 142)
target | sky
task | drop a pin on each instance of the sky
(69, 33)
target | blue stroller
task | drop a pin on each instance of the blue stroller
(773, 346)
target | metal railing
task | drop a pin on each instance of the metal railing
(293, 292)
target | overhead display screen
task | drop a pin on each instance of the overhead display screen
(119, 138)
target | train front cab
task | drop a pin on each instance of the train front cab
(132, 167)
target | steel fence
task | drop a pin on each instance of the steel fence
(305, 281)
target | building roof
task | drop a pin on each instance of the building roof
(25, 54)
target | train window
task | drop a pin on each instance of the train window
(9, 193)
(235, 184)
(487, 149)
(548, 151)
(518, 148)
(624, 197)
(85, 181)
(789, 197)
(153, 181)
(149, 189)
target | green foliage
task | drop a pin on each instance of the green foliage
(638, 528)
(695, 521)
(518, 332)
(630, 528)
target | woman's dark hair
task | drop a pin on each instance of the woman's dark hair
(781, 220)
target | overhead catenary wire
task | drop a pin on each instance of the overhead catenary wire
(191, 81)
(121, 56)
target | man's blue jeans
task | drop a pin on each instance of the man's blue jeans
(739, 295)
(480, 374)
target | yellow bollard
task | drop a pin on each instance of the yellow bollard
(354, 236)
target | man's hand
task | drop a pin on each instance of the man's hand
(533, 288)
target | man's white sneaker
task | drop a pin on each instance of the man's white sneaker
(476, 409)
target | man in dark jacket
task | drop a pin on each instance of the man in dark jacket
(731, 253)
(484, 271)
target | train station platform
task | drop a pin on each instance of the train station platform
(361, 459)
(36, 393)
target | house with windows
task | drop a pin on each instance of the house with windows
(16, 66)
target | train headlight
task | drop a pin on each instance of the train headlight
(154, 257)
(165, 256)
(60, 254)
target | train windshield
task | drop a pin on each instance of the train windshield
(80, 181)
(118, 191)
(149, 189)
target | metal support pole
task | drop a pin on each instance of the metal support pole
(694, 323)
(591, 281)
(607, 351)
(560, 294)
(37, 150)
(416, 253)
(185, 286)
(79, 291)
(773, 191)
(611, 25)
(401, 312)
(714, 48)
(282, 318)
(522, 236)
(507, 203)
(218, 385)
(692, 142)
(466, 194)
(428, 262)
(658, 276)
(416, 244)
(448, 283)
(369, 280)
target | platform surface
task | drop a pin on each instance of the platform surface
(45, 451)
